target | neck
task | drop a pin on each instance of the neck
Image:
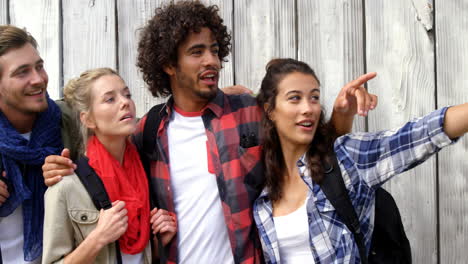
(291, 154)
(22, 122)
(184, 100)
(114, 145)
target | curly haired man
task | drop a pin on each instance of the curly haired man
(208, 178)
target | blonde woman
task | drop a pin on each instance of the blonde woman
(74, 230)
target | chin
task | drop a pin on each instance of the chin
(207, 93)
(38, 109)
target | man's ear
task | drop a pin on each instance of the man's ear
(169, 70)
(87, 120)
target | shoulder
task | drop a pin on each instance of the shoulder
(241, 101)
(69, 186)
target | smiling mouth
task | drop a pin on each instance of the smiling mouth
(36, 93)
(305, 124)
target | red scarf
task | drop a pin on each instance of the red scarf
(126, 183)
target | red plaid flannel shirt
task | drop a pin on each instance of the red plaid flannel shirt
(232, 125)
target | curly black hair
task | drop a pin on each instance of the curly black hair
(163, 33)
(320, 149)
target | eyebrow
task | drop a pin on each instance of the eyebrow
(202, 46)
(25, 66)
(113, 91)
(297, 91)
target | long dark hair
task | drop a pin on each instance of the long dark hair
(320, 148)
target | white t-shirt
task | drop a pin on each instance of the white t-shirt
(292, 231)
(11, 235)
(202, 232)
(132, 259)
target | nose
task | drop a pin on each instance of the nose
(38, 77)
(125, 101)
(211, 59)
(307, 107)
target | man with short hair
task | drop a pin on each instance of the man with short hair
(29, 132)
(209, 169)
(32, 127)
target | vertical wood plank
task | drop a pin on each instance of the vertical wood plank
(133, 15)
(89, 36)
(330, 40)
(401, 50)
(42, 19)
(3, 12)
(263, 30)
(225, 11)
(452, 66)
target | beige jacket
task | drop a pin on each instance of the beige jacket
(70, 216)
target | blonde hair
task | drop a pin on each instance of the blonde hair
(77, 93)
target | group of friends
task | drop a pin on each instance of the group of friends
(236, 177)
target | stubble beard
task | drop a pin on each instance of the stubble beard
(188, 85)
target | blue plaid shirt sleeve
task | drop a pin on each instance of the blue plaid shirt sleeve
(381, 155)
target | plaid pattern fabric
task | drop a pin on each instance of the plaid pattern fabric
(234, 154)
(367, 160)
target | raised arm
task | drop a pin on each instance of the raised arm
(456, 121)
(353, 99)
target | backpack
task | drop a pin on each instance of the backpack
(389, 243)
(96, 190)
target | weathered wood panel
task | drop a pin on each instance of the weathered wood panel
(3, 12)
(225, 10)
(452, 83)
(132, 15)
(42, 19)
(401, 50)
(263, 30)
(89, 36)
(330, 40)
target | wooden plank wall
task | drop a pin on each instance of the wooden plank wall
(418, 48)
(401, 50)
(452, 65)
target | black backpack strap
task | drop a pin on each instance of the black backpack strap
(96, 190)
(335, 190)
(149, 152)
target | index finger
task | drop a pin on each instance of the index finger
(361, 80)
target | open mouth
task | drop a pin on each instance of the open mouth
(35, 93)
(209, 77)
(125, 117)
(307, 124)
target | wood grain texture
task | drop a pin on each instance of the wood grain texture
(132, 15)
(330, 40)
(401, 50)
(89, 36)
(452, 83)
(3, 12)
(41, 18)
(263, 30)
(225, 11)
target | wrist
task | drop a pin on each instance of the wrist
(96, 239)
